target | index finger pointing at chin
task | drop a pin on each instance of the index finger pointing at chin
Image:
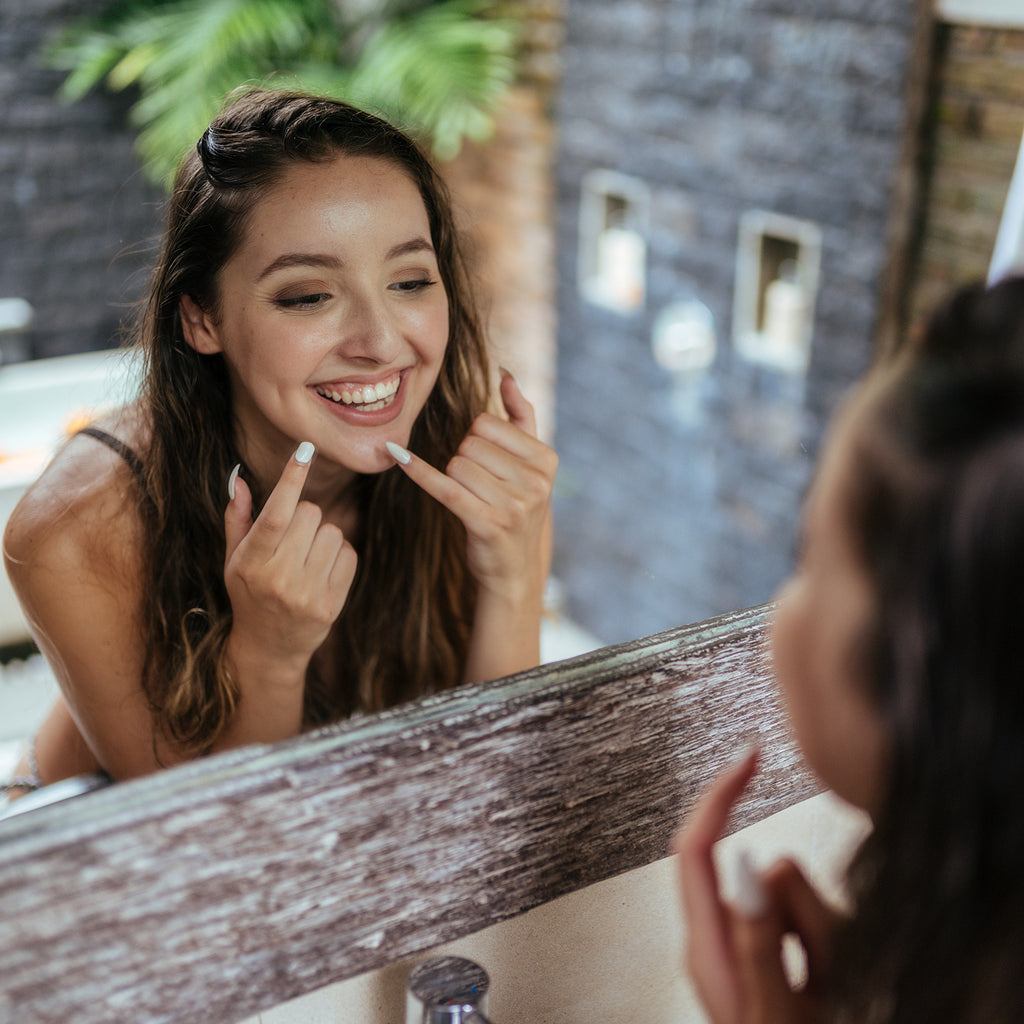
(695, 841)
(438, 485)
(708, 819)
(398, 453)
(276, 515)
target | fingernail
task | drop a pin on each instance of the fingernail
(398, 453)
(750, 897)
(231, 482)
(304, 453)
(505, 369)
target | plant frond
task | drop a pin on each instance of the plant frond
(437, 68)
(441, 69)
(89, 61)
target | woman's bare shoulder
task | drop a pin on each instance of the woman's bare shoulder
(84, 508)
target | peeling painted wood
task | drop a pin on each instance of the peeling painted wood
(220, 888)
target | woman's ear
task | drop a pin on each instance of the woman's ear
(198, 327)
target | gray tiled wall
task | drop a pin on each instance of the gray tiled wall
(75, 214)
(789, 106)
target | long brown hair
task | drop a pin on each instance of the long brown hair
(406, 624)
(936, 506)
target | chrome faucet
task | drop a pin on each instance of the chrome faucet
(450, 989)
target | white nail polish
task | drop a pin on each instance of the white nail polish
(505, 369)
(398, 453)
(750, 897)
(304, 453)
(231, 482)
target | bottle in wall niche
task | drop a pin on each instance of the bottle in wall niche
(447, 990)
(785, 320)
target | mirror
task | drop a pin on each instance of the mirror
(719, 217)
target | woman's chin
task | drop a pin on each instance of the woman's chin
(366, 461)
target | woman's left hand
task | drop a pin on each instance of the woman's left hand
(735, 954)
(499, 484)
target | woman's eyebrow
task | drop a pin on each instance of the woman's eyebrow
(328, 262)
(300, 259)
(405, 248)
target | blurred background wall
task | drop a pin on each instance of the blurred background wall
(683, 486)
(76, 215)
(875, 141)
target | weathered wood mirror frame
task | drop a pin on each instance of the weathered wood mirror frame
(214, 890)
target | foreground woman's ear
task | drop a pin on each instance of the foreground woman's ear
(199, 328)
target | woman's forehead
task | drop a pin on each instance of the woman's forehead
(344, 200)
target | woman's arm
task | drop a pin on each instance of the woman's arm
(499, 485)
(506, 623)
(71, 551)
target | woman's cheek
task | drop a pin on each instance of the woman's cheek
(781, 638)
(792, 644)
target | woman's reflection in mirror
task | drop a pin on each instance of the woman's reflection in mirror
(319, 505)
(897, 647)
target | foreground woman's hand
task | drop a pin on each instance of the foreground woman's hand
(288, 574)
(734, 953)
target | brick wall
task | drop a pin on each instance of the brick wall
(975, 135)
(74, 209)
(666, 514)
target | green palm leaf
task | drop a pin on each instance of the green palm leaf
(440, 68)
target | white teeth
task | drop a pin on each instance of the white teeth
(369, 398)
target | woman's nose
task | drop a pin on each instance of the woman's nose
(368, 330)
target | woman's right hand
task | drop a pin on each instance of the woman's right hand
(288, 574)
(734, 955)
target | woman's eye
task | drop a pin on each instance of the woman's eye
(302, 301)
(416, 285)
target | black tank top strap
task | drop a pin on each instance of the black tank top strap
(126, 453)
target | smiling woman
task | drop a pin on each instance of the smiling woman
(238, 555)
(334, 289)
